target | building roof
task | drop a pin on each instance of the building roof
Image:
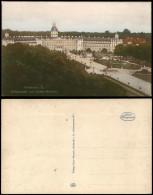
(20, 38)
(96, 39)
(7, 38)
(134, 40)
(24, 39)
(54, 28)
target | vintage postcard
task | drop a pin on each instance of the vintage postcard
(52, 146)
(85, 49)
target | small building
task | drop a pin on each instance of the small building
(85, 54)
(88, 55)
(135, 41)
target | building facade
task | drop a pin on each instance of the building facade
(67, 43)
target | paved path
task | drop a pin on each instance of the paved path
(123, 75)
(137, 93)
(88, 62)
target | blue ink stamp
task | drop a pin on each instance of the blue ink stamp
(127, 116)
(73, 185)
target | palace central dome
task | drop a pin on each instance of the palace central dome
(54, 28)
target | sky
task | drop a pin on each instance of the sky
(77, 16)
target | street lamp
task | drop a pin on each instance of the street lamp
(90, 62)
(110, 62)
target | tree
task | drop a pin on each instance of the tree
(107, 31)
(142, 51)
(126, 30)
(142, 35)
(119, 49)
(88, 50)
(104, 50)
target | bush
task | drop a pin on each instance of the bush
(141, 52)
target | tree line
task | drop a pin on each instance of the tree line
(141, 51)
(123, 35)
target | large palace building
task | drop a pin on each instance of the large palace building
(66, 43)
